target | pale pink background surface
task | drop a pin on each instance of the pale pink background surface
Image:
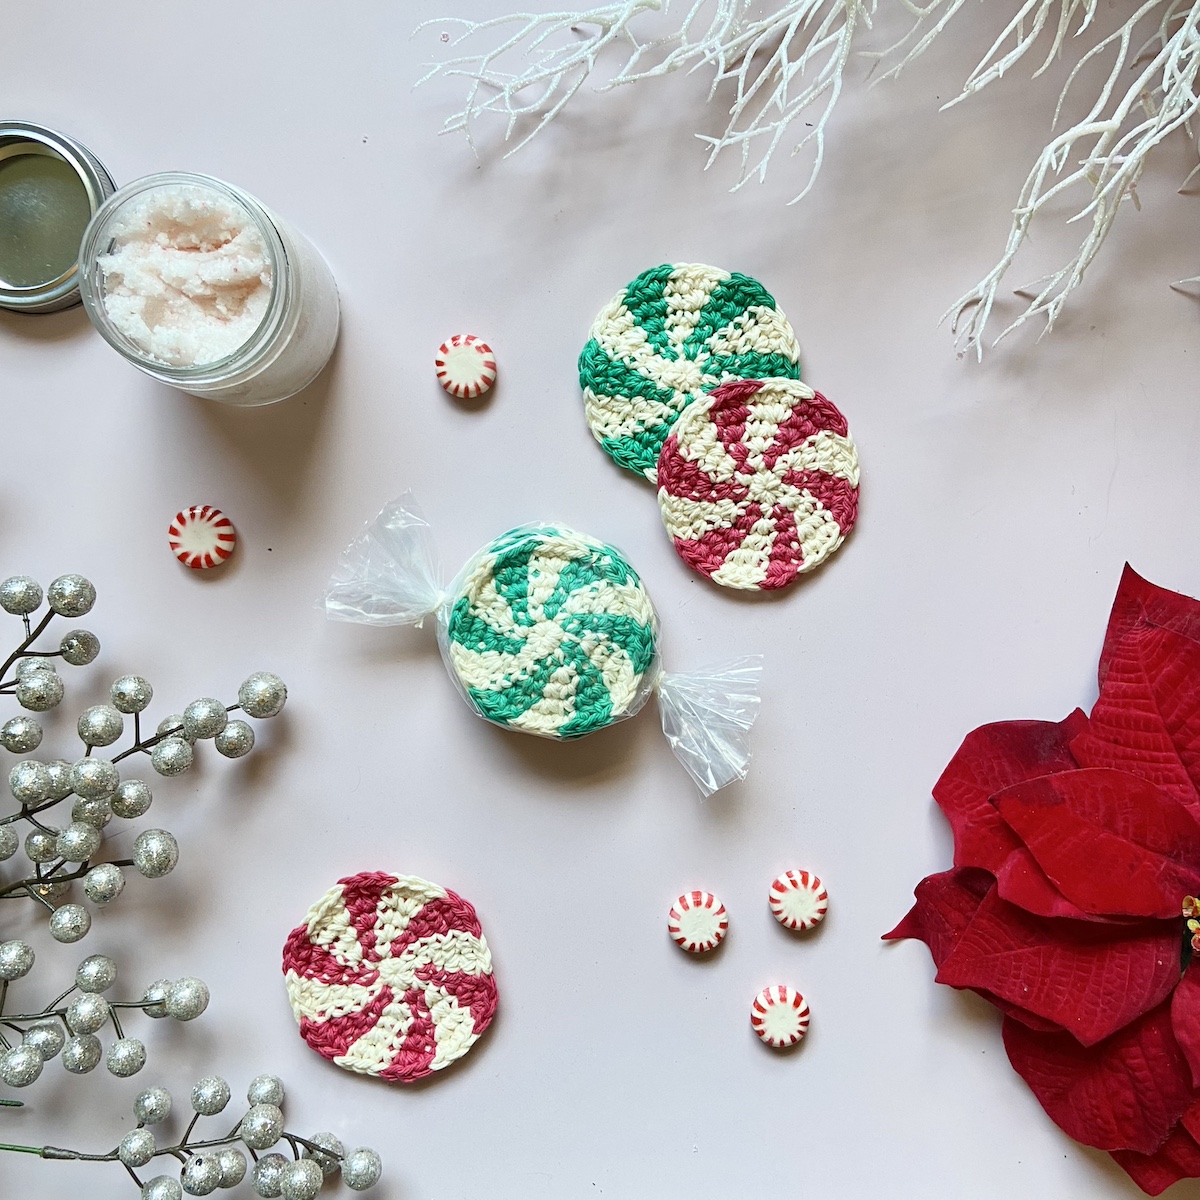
(998, 506)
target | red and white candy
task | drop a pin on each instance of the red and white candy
(202, 537)
(799, 900)
(697, 922)
(466, 366)
(779, 1015)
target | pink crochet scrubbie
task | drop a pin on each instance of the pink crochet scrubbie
(758, 482)
(390, 976)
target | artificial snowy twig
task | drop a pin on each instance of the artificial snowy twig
(803, 36)
(1024, 30)
(545, 59)
(1117, 140)
(554, 72)
(790, 61)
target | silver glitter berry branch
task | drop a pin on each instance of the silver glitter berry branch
(313, 1159)
(61, 856)
(67, 1026)
(71, 1029)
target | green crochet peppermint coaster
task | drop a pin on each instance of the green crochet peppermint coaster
(551, 632)
(675, 333)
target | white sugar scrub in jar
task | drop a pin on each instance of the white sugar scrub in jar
(198, 285)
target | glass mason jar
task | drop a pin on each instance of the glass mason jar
(296, 334)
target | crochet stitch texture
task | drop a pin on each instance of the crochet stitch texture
(390, 976)
(758, 483)
(552, 632)
(673, 334)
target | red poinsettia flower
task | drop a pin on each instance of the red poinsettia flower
(1076, 864)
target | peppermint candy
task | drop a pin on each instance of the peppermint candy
(390, 976)
(671, 335)
(758, 483)
(201, 537)
(552, 632)
(780, 1016)
(697, 922)
(798, 900)
(466, 366)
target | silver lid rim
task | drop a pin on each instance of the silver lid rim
(63, 292)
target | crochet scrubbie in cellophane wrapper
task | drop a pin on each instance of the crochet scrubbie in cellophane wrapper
(390, 976)
(550, 632)
(673, 334)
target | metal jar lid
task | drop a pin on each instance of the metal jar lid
(40, 207)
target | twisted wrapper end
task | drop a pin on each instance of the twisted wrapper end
(390, 573)
(707, 716)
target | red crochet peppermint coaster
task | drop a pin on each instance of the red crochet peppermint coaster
(798, 900)
(466, 366)
(758, 482)
(779, 1015)
(390, 976)
(697, 922)
(201, 537)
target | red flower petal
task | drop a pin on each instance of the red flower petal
(991, 758)
(1017, 1013)
(1177, 1158)
(1022, 882)
(1126, 1093)
(1191, 1119)
(944, 908)
(1139, 602)
(1185, 1018)
(1111, 843)
(1147, 719)
(1090, 979)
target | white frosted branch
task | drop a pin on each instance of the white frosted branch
(554, 55)
(779, 65)
(1118, 136)
(785, 64)
(782, 66)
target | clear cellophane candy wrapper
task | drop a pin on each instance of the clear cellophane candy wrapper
(550, 632)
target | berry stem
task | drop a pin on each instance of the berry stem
(30, 638)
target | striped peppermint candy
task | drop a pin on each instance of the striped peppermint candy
(551, 632)
(780, 1016)
(758, 483)
(390, 976)
(466, 366)
(697, 922)
(675, 333)
(201, 537)
(798, 900)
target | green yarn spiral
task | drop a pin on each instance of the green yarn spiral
(551, 632)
